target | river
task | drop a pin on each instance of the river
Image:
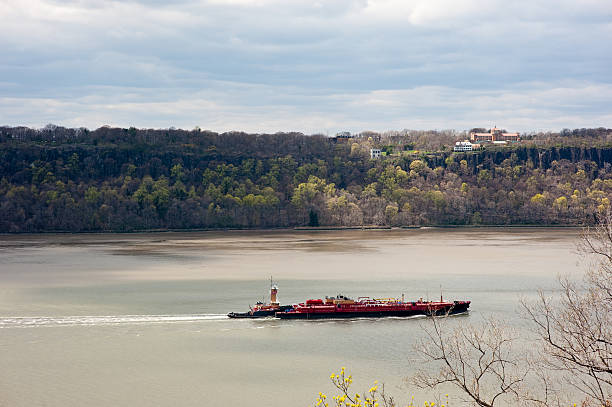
(139, 319)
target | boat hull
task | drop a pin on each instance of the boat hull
(256, 314)
(456, 309)
(259, 313)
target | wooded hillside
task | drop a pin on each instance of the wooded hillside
(113, 179)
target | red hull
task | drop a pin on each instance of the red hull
(372, 309)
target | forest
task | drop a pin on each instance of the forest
(128, 179)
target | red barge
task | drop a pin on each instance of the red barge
(365, 307)
(344, 307)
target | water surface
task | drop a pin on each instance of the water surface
(139, 319)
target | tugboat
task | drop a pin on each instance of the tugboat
(261, 310)
(366, 307)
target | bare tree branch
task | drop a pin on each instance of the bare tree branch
(478, 359)
(576, 331)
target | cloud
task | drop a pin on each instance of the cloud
(316, 64)
(256, 108)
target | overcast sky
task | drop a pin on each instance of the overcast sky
(310, 66)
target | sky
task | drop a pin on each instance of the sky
(308, 66)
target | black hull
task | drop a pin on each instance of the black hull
(458, 309)
(259, 314)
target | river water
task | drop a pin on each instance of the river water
(139, 319)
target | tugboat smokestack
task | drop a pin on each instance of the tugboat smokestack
(273, 292)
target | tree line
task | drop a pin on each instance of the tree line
(115, 179)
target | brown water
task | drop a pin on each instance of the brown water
(128, 320)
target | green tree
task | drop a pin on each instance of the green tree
(177, 172)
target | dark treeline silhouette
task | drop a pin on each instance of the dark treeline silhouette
(114, 179)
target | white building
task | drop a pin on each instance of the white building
(375, 153)
(463, 146)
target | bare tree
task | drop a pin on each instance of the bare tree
(481, 360)
(597, 242)
(573, 340)
(576, 330)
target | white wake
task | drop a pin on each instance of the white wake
(16, 322)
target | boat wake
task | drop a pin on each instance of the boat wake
(97, 320)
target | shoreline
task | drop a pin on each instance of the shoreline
(299, 229)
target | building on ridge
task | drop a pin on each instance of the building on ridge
(493, 135)
(343, 136)
(465, 146)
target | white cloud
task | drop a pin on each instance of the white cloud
(306, 65)
(231, 106)
(427, 12)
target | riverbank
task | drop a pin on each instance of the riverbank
(299, 228)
